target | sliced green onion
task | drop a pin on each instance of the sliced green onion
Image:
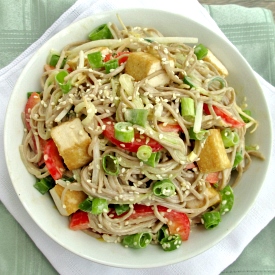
(189, 81)
(95, 60)
(217, 79)
(252, 147)
(200, 51)
(229, 138)
(44, 185)
(60, 79)
(164, 188)
(101, 32)
(136, 116)
(124, 131)
(99, 206)
(227, 199)
(86, 205)
(197, 136)
(211, 219)
(188, 108)
(245, 119)
(144, 152)
(162, 233)
(121, 208)
(110, 165)
(153, 159)
(238, 159)
(54, 60)
(111, 65)
(171, 243)
(139, 240)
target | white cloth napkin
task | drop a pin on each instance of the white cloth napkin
(212, 261)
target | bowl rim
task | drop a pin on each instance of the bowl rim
(27, 67)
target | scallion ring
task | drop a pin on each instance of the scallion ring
(164, 188)
(144, 152)
(218, 79)
(139, 240)
(95, 59)
(227, 200)
(201, 135)
(200, 51)
(229, 138)
(110, 165)
(136, 116)
(171, 242)
(153, 159)
(124, 132)
(99, 206)
(188, 108)
(211, 219)
(60, 79)
(101, 32)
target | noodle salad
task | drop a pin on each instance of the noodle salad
(136, 136)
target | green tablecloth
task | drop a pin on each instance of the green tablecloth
(22, 22)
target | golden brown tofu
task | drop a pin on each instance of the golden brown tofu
(139, 65)
(211, 58)
(212, 195)
(213, 157)
(71, 200)
(72, 142)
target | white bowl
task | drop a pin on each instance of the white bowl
(41, 208)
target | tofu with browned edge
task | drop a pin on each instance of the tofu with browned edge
(213, 157)
(71, 200)
(139, 65)
(72, 142)
(211, 58)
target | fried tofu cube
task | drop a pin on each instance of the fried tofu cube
(71, 200)
(211, 193)
(72, 142)
(211, 58)
(139, 65)
(213, 157)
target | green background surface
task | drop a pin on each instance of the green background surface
(23, 22)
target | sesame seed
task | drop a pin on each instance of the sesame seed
(122, 145)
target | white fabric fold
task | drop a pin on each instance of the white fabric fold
(212, 261)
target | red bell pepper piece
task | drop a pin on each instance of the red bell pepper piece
(121, 60)
(228, 119)
(53, 160)
(79, 221)
(178, 223)
(175, 128)
(140, 140)
(212, 177)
